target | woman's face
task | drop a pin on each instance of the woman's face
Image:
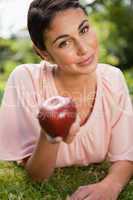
(71, 43)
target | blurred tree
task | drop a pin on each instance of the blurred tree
(14, 52)
(5, 53)
(119, 42)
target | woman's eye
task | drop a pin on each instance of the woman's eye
(63, 44)
(85, 29)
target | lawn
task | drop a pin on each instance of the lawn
(15, 184)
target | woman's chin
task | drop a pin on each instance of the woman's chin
(87, 69)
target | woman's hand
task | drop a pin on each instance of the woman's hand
(71, 135)
(98, 191)
(73, 131)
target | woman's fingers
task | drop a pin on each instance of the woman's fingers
(72, 133)
(73, 130)
(53, 140)
(82, 192)
(96, 191)
(75, 126)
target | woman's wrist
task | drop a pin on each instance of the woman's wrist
(110, 181)
(49, 138)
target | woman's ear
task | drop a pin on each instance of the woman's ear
(41, 53)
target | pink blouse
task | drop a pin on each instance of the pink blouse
(107, 134)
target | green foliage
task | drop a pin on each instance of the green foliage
(118, 42)
(129, 78)
(106, 39)
(5, 52)
(15, 52)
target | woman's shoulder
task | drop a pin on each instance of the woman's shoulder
(30, 70)
(20, 71)
(112, 77)
(108, 70)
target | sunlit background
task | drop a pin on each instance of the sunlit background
(13, 16)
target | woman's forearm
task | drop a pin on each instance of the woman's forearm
(42, 162)
(119, 174)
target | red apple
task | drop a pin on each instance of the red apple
(56, 115)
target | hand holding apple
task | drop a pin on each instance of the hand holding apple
(74, 129)
(56, 116)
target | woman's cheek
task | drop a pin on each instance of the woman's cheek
(66, 58)
(70, 58)
(93, 40)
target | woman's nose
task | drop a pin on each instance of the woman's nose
(82, 48)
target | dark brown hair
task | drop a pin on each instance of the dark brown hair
(40, 15)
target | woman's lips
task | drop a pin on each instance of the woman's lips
(87, 61)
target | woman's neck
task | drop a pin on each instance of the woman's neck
(75, 83)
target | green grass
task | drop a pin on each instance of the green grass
(16, 185)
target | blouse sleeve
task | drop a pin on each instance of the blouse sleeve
(121, 143)
(19, 127)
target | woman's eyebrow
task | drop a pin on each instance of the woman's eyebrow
(60, 37)
(82, 23)
(65, 35)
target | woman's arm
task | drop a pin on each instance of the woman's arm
(119, 174)
(42, 162)
(110, 187)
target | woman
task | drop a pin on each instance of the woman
(62, 35)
